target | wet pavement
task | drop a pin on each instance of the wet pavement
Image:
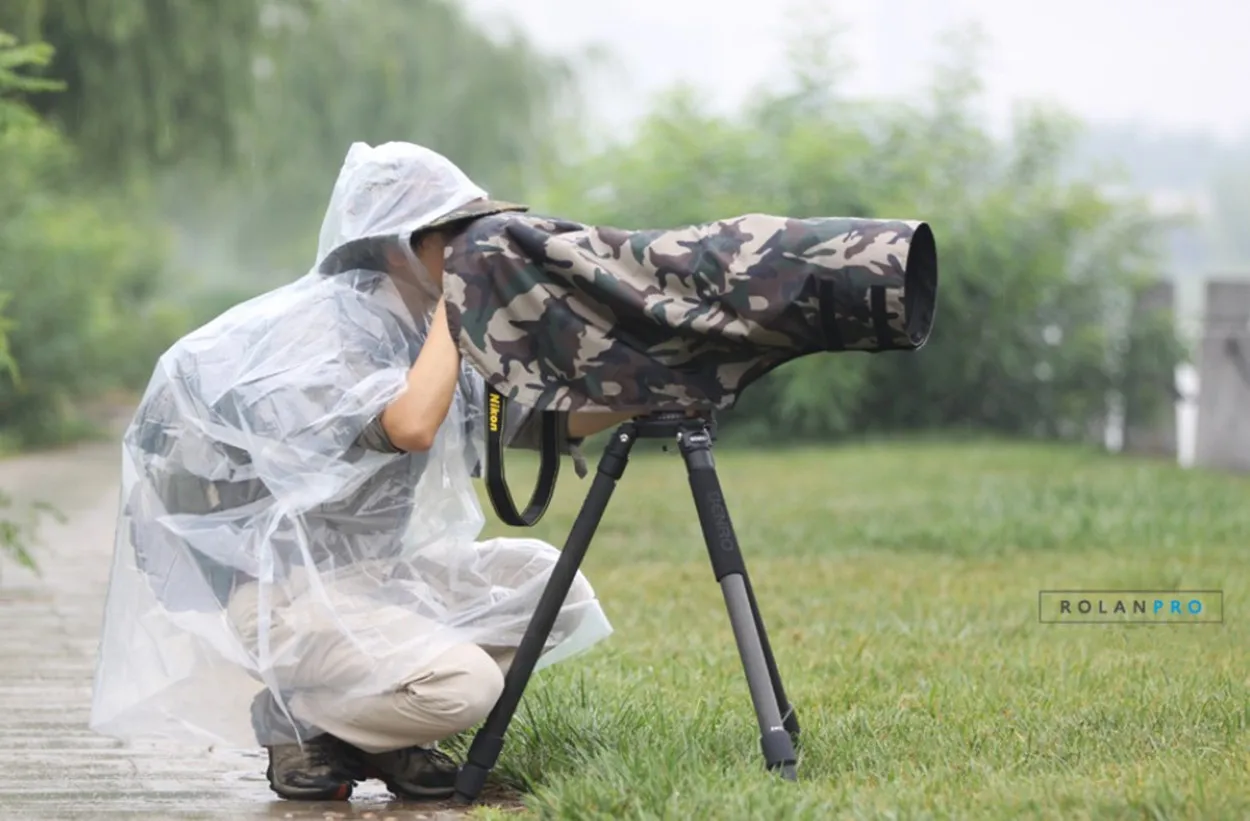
(51, 765)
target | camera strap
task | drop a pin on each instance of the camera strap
(548, 467)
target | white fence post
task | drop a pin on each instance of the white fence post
(1223, 436)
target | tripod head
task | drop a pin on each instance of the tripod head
(690, 429)
(671, 425)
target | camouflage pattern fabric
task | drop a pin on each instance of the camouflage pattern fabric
(562, 316)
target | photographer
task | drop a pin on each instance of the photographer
(297, 504)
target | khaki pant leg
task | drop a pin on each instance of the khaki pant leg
(317, 666)
(449, 696)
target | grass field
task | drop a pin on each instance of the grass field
(900, 584)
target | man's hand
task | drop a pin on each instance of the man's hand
(412, 421)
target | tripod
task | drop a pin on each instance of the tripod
(779, 726)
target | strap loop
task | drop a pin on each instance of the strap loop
(548, 468)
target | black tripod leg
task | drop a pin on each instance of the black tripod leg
(488, 742)
(789, 718)
(730, 570)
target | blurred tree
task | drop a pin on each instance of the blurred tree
(345, 70)
(15, 59)
(147, 82)
(79, 275)
(1037, 271)
(151, 96)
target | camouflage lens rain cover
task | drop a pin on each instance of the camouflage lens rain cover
(558, 315)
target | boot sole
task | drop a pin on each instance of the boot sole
(363, 770)
(342, 792)
(414, 792)
(423, 793)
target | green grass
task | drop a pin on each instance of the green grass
(900, 585)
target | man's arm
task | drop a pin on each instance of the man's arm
(412, 421)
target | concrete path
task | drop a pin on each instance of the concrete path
(51, 765)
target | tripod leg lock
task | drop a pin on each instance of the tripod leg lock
(790, 720)
(616, 453)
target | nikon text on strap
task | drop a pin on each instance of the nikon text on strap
(548, 467)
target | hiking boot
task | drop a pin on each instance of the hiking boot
(413, 772)
(317, 772)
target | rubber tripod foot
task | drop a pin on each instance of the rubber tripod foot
(469, 783)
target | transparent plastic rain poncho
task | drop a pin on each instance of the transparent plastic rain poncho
(260, 532)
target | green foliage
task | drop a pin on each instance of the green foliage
(13, 538)
(79, 280)
(18, 535)
(14, 56)
(339, 72)
(8, 365)
(145, 81)
(116, 120)
(1146, 378)
(1037, 271)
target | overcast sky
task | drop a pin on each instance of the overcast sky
(1176, 63)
